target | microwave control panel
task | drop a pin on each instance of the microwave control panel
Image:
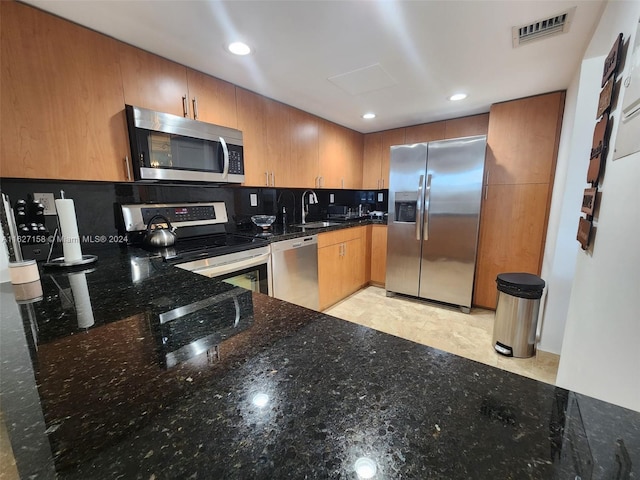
(236, 165)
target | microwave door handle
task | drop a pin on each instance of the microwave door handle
(225, 151)
(427, 205)
(419, 207)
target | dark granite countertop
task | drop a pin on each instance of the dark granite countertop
(271, 391)
(278, 232)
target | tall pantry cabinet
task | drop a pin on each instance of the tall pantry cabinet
(522, 147)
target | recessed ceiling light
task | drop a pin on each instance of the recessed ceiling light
(369, 116)
(239, 48)
(458, 96)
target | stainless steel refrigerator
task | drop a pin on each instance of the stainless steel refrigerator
(435, 190)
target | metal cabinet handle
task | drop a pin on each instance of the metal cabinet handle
(195, 107)
(273, 179)
(419, 207)
(488, 171)
(486, 191)
(127, 168)
(427, 204)
(225, 151)
(185, 106)
(266, 178)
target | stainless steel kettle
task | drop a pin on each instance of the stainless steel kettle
(160, 236)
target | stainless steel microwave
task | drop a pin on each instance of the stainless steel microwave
(167, 147)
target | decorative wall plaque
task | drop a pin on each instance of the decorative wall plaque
(605, 97)
(612, 62)
(598, 149)
(589, 200)
(584, 232)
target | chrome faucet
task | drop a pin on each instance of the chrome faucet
(305, 208)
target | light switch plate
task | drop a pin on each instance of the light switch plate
(381, 197)
(253, 198)
(48, 200)
(332, 198)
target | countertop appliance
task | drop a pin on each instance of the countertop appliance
(294, 264)
(166, 147)
(202, 244)
(435, 190)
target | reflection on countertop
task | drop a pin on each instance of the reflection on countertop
(181, 376)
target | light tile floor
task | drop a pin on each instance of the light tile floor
(442, 327)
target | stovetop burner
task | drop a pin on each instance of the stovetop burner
(187, 249)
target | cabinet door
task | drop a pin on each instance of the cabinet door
(353, 268)
(353, 160)
(379, 254)
(427, 132)
(466, 126)
(512, 233)
(278, 143)
(332, 155)
(389, 138)
(153, 82)
(251, 121)
(522, 142)
(330, 275)
(372, 161)
(212, 100)
(304, 149)
(62, 115)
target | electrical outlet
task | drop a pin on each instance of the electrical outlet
(380, 197)
(48, 200)
(253, 199)
(332, 198)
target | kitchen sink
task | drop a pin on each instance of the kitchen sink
(317, 224)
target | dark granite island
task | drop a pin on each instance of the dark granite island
(238, 385)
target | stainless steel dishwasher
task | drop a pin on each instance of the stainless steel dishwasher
(294, 269)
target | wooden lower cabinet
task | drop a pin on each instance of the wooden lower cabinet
(512, 234)
(341, 264)
(378, 254)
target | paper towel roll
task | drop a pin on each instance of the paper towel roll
(69, 230)
(81, 298)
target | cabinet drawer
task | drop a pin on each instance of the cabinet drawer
(339, 236)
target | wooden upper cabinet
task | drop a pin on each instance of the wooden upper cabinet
(466, 126)
(522, 142)
(389, 138)
(304, 149)
(251, 121)
(61, 99)
(340, 156)
(372, 161)
(153, 82)
(212, 100)
(277, 143)
(426, 132)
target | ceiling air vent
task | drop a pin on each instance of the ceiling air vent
(544, 28)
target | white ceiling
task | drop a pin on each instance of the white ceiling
(408, 57)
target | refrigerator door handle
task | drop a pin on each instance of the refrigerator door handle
(419, 210)
(427, 203)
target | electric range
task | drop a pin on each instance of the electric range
(202, 244)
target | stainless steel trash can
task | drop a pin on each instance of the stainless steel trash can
(514, 329)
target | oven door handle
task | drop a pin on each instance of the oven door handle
(224, 268)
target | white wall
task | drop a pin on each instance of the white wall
(601, 345)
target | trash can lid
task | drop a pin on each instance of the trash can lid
(524, 282)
